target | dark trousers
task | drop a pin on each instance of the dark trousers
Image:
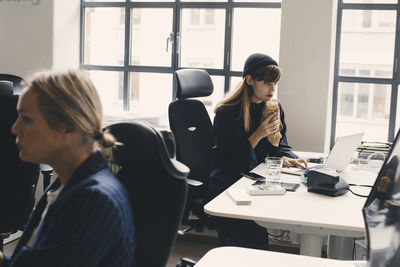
(241, 233)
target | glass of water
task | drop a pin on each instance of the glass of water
(274, 166)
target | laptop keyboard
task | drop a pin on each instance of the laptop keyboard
(299, 171)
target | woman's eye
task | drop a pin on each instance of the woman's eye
(270, 83)
(26, 119)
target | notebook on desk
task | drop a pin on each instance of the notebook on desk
(338, 158)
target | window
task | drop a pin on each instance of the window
(366, 73)
(132, 48)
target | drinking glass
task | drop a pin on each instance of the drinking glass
(274, 166)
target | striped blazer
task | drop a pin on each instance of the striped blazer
(89, 224)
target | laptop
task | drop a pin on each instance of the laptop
(338, 158)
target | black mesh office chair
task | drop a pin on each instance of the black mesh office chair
(194, 138)
(17, 178)
(11, 84)
(157, 189)
(16, 80)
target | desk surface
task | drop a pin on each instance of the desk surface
(301, 211)
(239, 257)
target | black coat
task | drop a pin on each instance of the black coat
(234, 153)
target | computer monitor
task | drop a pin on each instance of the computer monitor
(382, 213)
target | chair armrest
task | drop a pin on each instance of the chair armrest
(193, 182)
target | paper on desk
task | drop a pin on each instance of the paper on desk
(239, 196)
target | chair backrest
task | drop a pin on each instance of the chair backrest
(16, 80)
(17, 178)
(157, 189)
(6, 88)
(191, 124)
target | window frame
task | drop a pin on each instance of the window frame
(177, 6)
(394, 82)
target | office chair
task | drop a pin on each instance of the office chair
(16, 80)
(17, 178)
(194, 138)
(156, 186)
(6, 88)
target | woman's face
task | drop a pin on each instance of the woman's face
(36, 140)
(263, 91)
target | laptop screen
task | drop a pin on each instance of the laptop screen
(382, 213)
(342, 151)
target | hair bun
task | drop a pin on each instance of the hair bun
(98, 136)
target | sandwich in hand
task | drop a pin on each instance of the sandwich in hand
(272, 106)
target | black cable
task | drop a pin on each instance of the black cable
(276, 236)
(364, 185)
(358, 194)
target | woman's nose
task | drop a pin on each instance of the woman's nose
(14, 128)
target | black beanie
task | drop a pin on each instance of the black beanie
(255, 61)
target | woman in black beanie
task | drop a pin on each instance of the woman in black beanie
(244, 131)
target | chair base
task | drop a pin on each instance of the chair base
(184, 262)
(198, 225)
(184, 231)
(2, 237)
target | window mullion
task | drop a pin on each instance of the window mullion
(176, 29)
(82, 34)
(335, 95)
(228, 44)
(127, 53)
(396, 81)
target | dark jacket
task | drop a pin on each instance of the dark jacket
(234, 152)
(89, 224)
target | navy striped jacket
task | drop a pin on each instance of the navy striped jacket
(89, 224)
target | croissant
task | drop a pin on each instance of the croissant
(272, 106)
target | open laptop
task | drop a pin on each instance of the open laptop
(338, 158)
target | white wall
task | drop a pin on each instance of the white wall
(66, 34)
(36, 37)
(308, 28)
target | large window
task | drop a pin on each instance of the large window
(132, 48)
(367, 72)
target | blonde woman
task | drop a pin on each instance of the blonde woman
(84, 217)
(249, 126)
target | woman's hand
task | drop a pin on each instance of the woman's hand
(1, 258)
(289, 162)
(267, 127)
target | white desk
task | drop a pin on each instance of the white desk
(239, 257)
(312, 215)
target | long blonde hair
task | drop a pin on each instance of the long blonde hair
(242, 93)
(70, 98)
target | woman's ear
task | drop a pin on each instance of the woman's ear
(249, 80)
